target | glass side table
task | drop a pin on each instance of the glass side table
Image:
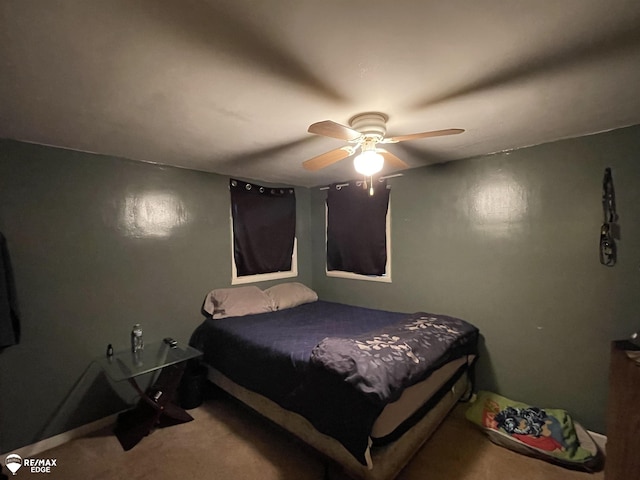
(156, 407)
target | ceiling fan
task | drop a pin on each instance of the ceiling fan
(365, 132)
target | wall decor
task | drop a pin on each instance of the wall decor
(609, 229)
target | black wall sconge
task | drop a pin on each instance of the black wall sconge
(609, 230)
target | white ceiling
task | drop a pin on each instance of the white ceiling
(230, 86)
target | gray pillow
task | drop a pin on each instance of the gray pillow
(236, 302)
(291, 294)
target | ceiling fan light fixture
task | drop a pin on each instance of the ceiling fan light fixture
(368, 163)
(365, 132)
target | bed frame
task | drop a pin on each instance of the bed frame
(387, 461)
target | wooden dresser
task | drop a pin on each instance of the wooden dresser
(623, 415)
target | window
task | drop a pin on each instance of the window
(263, 226)
(358, 232)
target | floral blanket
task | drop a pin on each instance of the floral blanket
(382, 364)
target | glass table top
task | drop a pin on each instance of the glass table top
(156, 355)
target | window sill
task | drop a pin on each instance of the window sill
(357, 276)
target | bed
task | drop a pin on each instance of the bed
(364, 387)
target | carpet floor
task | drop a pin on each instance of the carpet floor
(228, 441)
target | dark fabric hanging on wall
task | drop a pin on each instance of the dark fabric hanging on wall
(9, 320)
(264, 227)
(356, 229)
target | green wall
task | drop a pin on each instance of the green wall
(98, 244)
(509, 242)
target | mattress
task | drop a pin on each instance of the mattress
(385, 462)
(413, 398)
(299, 358)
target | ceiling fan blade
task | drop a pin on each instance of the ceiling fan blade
(415, 136)
(328, 158)
(392, 159)
(331, 129)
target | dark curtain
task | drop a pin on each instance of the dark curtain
(9, 320)
(264, 227)
(356, 229)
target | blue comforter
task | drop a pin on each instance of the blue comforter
(337, 365)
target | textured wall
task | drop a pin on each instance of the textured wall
(510, 243)
(98, 244)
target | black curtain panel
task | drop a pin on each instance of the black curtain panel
(356, 228)
(9, 320)
(264, 227)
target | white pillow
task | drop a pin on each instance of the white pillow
(288, 295)
(236, 302)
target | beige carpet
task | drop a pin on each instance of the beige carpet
(227, 441)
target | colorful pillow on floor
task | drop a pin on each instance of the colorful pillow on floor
(548, 434)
